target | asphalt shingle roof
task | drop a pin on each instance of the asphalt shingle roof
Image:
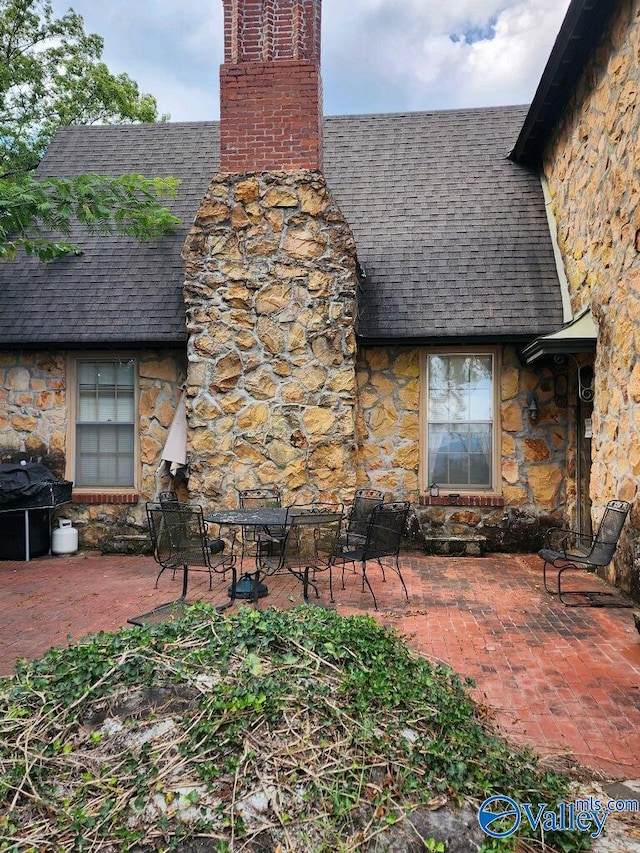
(451, 234)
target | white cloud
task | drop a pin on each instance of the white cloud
(430, 55)
(172, 49)
(507, 66)
(378, 55)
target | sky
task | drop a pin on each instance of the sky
(378, 56)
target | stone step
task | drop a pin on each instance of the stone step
(135, 544)
(448, 545)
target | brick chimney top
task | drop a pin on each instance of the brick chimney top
(270, 86)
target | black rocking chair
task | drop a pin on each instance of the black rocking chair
(567, 549)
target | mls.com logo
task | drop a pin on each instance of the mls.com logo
(499, 816)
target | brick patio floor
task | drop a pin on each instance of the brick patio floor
(565, 681)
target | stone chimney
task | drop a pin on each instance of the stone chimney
(270, 86)
(271, 279)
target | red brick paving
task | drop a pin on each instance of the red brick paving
(565, 681)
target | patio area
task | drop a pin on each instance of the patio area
(564, 681)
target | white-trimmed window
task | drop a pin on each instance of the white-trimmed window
(461, 446)
(105, 423)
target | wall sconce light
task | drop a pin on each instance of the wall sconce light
(532, 407)
(434, 490)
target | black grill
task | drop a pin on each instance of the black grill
(28, 494)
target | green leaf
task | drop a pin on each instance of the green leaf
(31, 208)
(52, 74)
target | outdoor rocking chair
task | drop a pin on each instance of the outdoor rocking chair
(179, 538)
(384, 535)
(568, 549)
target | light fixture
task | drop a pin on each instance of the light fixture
(434, 490)
(532, 407)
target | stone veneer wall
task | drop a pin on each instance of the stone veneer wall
(592, 164)
(532, 493)
(389, 421)
(270, 297)
(33, 398)
(34, 423)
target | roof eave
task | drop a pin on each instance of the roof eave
(578, 336)
(579, 34)
(94, 344)
(540, 349)
(440, 340)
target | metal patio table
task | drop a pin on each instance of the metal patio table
(267, 516)
(249, 586)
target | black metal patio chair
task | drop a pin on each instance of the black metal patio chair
(384, 536)
(169, 500)
(179, 539)
(309, 544)
(565, 550)
(359, 513)
(261, 541)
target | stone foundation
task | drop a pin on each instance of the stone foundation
(455, 546)
(454, 530)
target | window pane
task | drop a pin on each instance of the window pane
(106, 373)
(437, 372)
(460, 421)
(458, 469)
(439, 409)
(125, 405)
(106, 405)
(105, 428)
(87, 373)
(481, 405)
(439, 442)
(105, 455)
(125, 375)
(458, 371)
(480, 389)
(87, 409)
(458, 405)
(480, 371)
(479, 469)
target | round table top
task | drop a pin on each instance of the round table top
(271, 516)
(255, 517)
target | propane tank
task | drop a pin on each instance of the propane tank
(64, 539)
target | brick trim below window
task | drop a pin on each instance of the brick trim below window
(462, 500)
(105, 497)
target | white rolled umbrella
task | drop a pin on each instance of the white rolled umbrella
(174, 453)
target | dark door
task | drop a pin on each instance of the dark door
(584, 411)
